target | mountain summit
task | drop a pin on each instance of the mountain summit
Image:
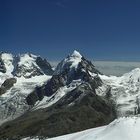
(73, 68)
(70, 62)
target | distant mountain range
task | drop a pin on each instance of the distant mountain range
(37, 100)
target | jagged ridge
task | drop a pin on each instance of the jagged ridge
(26, 65)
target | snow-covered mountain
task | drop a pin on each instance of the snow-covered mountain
(26, 65)
(31, 65)
(19, 75)
(73, 97)
(71, 62)
(67, 97)
(70, 73)
(76, 65)
(125, 91)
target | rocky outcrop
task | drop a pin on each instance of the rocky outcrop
(37, 95)
(8, 83)
(54, 84)
(2, 66)
(44, 65)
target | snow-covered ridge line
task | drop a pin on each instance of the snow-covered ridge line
(26, 65)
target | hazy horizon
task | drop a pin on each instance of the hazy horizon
(116, 68)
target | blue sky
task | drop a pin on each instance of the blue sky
(99, 29)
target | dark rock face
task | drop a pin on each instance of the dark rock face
(88, 66)
(2, 66)
(44, 65)
(8, 83)
(54, 84)
(2, 90)
(36, 95)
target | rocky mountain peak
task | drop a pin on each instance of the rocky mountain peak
(73, 67)
(76, 54)
(70, 63)
(75, 63)
(26, 65)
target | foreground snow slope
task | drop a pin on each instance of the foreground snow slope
(120, 129)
